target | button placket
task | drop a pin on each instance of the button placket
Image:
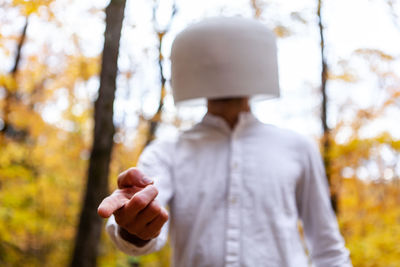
(232, 257)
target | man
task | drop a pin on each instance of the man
(235, 187)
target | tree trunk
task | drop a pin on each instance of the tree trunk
(90, 224)
(326, 144)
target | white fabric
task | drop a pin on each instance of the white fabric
(224, 57)
(235, 198)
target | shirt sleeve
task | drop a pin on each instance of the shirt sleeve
(155, 163)
(322, 235)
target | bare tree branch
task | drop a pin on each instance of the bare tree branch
(156, 119)
(326, 139)
(8, 129)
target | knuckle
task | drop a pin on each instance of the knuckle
(155, 208)
(164, 216)
(157, 233)
(151, 189)
(165, 213)
(155, 190)
(152, 234)
(139, 202)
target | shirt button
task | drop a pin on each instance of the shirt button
(234, 165)
(233, 200)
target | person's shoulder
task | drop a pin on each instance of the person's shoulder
(164, 141)
(161, 145)
(169, 142)
(287, 136)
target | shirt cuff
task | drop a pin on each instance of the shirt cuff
(112, 229)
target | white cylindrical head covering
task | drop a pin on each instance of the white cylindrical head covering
(224, 57)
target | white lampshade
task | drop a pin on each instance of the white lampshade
(224, 57)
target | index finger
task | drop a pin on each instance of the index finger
(115, 201)
(133, 177)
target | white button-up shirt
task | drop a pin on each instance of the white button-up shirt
(236, 196)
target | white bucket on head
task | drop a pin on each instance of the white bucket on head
(224, 57)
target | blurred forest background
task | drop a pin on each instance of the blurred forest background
(59, 78)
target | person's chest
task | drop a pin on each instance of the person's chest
(257, 171)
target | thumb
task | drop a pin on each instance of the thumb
(133, 177)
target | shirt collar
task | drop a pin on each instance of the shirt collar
(245, 119)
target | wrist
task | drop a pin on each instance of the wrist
(131, 238)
